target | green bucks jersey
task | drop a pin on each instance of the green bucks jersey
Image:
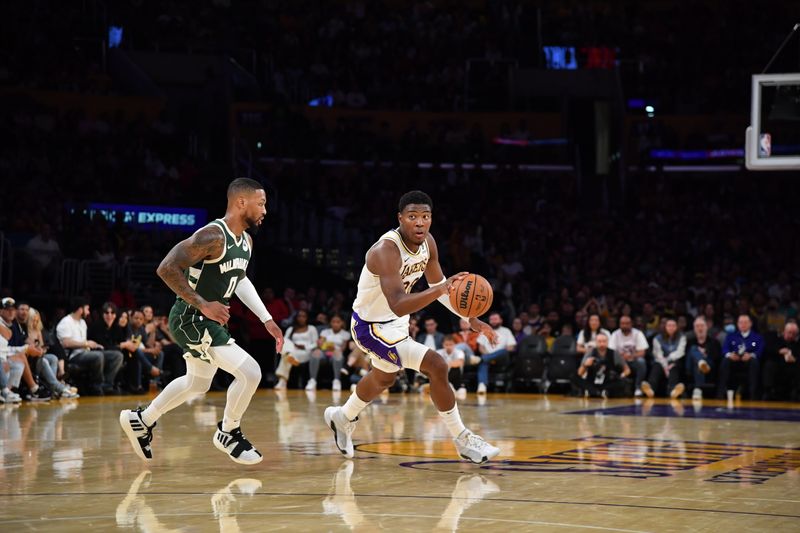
(215, 280)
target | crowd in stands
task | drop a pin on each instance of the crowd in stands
(597, 346)
(549, 254)
(287, 132)
(644, 284)
(413, 55)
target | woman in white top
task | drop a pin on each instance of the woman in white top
(332, 344)
(304, 341)
(587, 338)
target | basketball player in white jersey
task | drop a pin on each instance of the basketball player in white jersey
(380, 326)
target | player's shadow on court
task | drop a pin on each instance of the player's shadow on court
(469, 490)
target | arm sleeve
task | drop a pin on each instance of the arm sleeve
(249, 297)
(444, 299)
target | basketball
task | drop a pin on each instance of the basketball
(472, 296)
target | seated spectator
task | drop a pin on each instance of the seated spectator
(631, 344)
(781, 366)
(728, 327)
(517, 329)
(174, 364)
(147, 351)
(493, 351)
(535, 320)
(304, 339)
(46, 366)
(587, 338)
(467, 341)
(17, 350)
(651, 319)
(8, 369)
(11, 367)
(669, 348)
(111, 336)
(743, 349)
(431, 337)
(455, 361)
(774, 318)
(99, 365)
(321, 322)
(332, 344)
(603, 372)
(703, 354)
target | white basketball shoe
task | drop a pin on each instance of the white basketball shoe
(473, 448)
(342, 430)
(236, 446)
(139, 434)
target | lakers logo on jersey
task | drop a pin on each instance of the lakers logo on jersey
(370, 303)
(413, 268)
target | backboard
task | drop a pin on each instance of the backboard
(772, 141)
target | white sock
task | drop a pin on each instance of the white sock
(353, 406)
(453, 421)
(150, 415)
(34, 389)
(229, 425)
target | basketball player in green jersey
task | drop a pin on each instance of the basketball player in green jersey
(204, 271)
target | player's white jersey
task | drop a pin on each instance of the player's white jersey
(371, 304)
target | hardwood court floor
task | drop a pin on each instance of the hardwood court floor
(614, 466)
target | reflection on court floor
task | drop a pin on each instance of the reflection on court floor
(566, 464)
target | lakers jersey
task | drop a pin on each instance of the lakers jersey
(371, 305)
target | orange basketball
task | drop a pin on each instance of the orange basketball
(471, 296)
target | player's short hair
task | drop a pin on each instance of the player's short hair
(414, 197)
(243, 185)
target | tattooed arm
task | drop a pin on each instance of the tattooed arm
(206, 243)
